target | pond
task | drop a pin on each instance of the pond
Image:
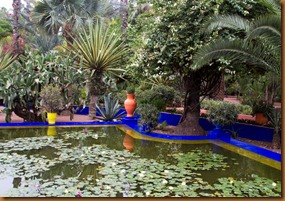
(108, 162)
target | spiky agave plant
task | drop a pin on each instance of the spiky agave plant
(111, 109)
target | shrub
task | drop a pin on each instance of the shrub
(224, 114)
(51, 99)
(149, 115)
(207, 104)
(159, 96)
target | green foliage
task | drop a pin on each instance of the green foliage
(163, 125)
(262, 107)
(223, 114)
(6, 59)
(110, 109)
(51, 99)
(207, 104)
(149, 115)
(100, 52)
(21, 84)
(160, 96)
(5, 29)
(131, 89)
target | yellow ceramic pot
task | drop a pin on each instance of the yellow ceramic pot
(51, 118)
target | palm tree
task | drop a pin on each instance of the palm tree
(125, 18)
(100, 51)
(69, 15)
(260, 48)
(16, 14)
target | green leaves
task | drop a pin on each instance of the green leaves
(110, 109)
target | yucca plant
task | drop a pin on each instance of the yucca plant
(100, 51)
(110, 109)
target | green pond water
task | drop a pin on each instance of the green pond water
(106, 162)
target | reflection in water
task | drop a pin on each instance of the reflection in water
(51, 131)
(128, 141)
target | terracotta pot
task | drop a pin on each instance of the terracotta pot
(128, 143)
(130, 105)
(260, 118)
(51, 117)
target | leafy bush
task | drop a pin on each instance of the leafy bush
(149, 115)
(244, 109)
(51, 99)
(224, 114)
(207, 104)
(159, 96)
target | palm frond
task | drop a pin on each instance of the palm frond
(268, 27)
(238, 52)
(229, 21)
(273, 6)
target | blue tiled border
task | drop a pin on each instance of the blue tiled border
(255, 149)
(249, 147)
(258, 150)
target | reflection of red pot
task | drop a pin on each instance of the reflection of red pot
(260, 118)
(130, 105)
(128, 143)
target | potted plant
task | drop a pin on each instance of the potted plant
(51, 102)
(261, 110)
(149, 115)
(222, 115)
(130, 103)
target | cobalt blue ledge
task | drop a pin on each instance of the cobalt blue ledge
(255, 149)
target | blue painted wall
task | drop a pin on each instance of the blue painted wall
(252, 132)
(171, 119)
(248, 131)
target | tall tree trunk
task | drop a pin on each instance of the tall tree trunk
(16, 13)
(190, 120)
(125, 18)
(96, 87)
